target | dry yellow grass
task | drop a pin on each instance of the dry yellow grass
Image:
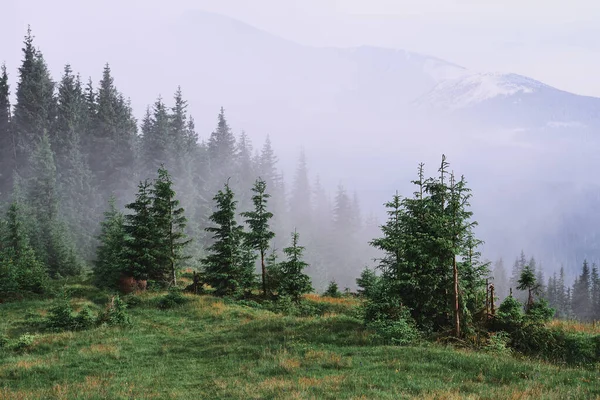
(348, 301)
(575, 326)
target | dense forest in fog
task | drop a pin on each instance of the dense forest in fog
(68, 146)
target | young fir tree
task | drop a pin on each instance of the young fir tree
(260, 233)
(528, 282)
(294, 282)
(111, 261)
(170, 222)
(7, 149)
(22, 269)
(142, 236)
(223, 267)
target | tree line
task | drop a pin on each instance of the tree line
(68, 147)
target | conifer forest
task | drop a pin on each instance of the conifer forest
(147, 259)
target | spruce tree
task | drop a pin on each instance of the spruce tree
(300, 201)
(595, 293)
(50, 239)
(156, 139)
(78, 199)
(35, 106)
(260, 233)
(142, 236)
(294, 282)
(111, 260)
(581, 294)
(222, 150)
(170, 222)
(223, 267)
(22, 269)
(7, 149)
(528, 282)
(111, 151)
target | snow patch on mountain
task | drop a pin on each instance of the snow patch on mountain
(473, 89)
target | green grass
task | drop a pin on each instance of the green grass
(207, 349)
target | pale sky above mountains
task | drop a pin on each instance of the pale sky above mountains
(553, 41)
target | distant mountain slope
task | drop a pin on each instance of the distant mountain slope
(512, 101)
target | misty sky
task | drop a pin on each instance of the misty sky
(553, 41)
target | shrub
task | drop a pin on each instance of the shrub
(115, 313)
(60, 317)
(541, 311)
(332, 290)
(498, 343)
(24, 342)
(85, 319)
(400, 332)
(172, 299)
(3, 341)
(132, 300)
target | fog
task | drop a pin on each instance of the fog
(363, 90)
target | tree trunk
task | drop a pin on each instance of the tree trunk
(456, 303)
(264, 272)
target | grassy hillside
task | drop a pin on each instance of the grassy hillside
(212, 349)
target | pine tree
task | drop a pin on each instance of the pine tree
(246, 171)
(581, 294)
(222, 150)
(78, 201)
(300, 204)
(391, 241)
(7, 149)
(223, 269)
(51, 242)
(595, 293)
(294, 282)
(142, 236)
(110, 261)
(171, 222)
(260, 233)
(111, 151)
(156, 139)
(22, 269)
(518, 267)
(528, 282)
(35, 106)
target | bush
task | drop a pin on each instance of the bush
(172, 299)
(400, 332)
(3, 341)
(60, 317)
(332, 290)
(115, 313)
(541, 311)
(85, 319)
(132, 300)
(24, 342)
(498, 343)
(366, 282)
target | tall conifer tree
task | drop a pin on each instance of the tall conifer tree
(260, 233)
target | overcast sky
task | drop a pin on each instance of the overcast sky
(553, 41)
